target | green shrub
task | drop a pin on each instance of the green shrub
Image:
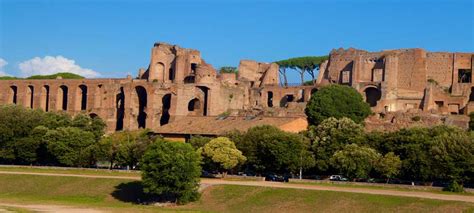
(336, 101)
(454, 187)
(171, 171)
(416, 118)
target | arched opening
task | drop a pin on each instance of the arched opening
(120, 105)
(45, 98)
(13, 94)
(160, 70)
(471, 97)
(93, 115)
(372, 95)
(166, 105)
(83, 97)
(189, 79)
(270, 99)
(142, 103)
(194, 105)
(30, 96)
(286, 99)
(62, 97)
(205, 92)
(193, 68)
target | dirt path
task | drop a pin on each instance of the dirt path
(427, 195)
(49, 208)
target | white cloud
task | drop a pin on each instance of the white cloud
(51, 65)
(3, 63)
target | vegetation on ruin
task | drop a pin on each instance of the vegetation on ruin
(63, 75)
(336, 101)
(171, 171)
(471, 121)
(228, 69)
(115, 195)
(302, 65)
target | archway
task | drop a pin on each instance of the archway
(62, 97)
(142, 104)
(13, 94)
(82, 97)
(166, 105)
(120, 106)
(372, 95)
(194, 105)
(30, 91)
(45, 98)
(189, 79)
(205, 93)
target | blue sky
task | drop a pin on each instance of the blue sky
(114, 38)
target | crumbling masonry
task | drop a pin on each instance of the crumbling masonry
(179, 85)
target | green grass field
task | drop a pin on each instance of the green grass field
(121, 195)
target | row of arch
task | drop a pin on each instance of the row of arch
(45, 96)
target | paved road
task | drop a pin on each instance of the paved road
(205, 181)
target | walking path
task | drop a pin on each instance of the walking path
(206, 181)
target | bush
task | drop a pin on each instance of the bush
(336, 101)
(171, 171)
(416, 118)
(454, 187)
(471, 121)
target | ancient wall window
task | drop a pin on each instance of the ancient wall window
(142, 104)
(171, 74)
(270, 99)
(62, 100)
(120, 106)
(194, 105)
(166, 105)
(464, 76)
(82, 97)
(13, 94)
(189, 79)
(286, 99)
(30, 92)
(45, 98)
(372, 95)
(439, 104)
(193, 68)
(205, 101)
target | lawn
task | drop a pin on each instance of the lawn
(121, 196)
(75, 171)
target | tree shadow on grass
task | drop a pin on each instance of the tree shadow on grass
(131, 192)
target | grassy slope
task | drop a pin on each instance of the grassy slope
(118, 195)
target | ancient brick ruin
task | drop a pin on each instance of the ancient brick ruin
(406, 80)
(177, 84)
(180, 89)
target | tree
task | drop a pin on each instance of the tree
(228, 69)
(71, 146)
(222, 151)
(125, 148)
(171, 171)
(307, 64)
(269, 149)
(389, 165)
(336, 101)
(332, 135)
(355, 161)
(198, 141)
